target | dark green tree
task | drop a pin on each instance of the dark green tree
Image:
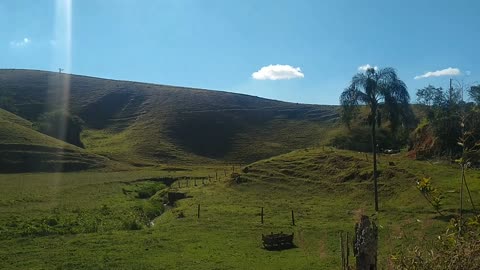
(386, 97)
(443, 110)
(61, 125)
(474, 93)
(430, 95)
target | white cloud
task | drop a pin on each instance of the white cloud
(444, 72)
(365, 67)
(20, 43)
(278, 72)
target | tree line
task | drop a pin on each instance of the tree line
(443, 117)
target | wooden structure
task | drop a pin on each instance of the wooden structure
(277, 241)
(345, 249)
(365, 244)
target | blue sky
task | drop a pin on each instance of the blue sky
(309, 50)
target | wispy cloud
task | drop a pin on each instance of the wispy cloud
(468, 73)
(444, 72)
(365, 67)
(278, 72)
(20, 43)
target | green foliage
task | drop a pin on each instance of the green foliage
(452, 250)
(358, 138)
(447, 116)
(325, 188)
(386, 98)
(474, 93)
(447, 130)
(148, 189)
(132, 222)
(77, 221)
(61, 125)
(149, 210)
(385, 95)
(74, 222)
(430, 96)
(430, 193)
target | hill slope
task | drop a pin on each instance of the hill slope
(24, 149)
(88, 213)
(146, 124)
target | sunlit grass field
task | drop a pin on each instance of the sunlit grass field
(96, 219)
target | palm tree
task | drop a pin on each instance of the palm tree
(385, 95)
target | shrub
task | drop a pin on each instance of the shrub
(149, 189)
(149, 210)
(456, 249)
(359, 139)
(131, 224)
(61, 125)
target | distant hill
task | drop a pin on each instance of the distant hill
(147, 124)
(23, 149)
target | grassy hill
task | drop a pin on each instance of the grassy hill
(147, 124)
(24, 149)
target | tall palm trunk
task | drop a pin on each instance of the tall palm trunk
(377, 89)
(374, 150)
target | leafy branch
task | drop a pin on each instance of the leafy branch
(431, 194)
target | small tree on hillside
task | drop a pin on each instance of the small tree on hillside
(61, 125)
(430, 97)
(386, 97)
(444, 114)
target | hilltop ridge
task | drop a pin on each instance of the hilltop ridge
(148, 124)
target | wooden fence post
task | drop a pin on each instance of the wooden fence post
(366, 244)
(348, 250)
(342, 250)
(345, 249)
(293, 219)
(198, 211)
(261, 214)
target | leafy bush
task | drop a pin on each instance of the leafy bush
(149, 210)
(456, 249)
(103, 219)
(132, 222)
(149, 189)
(359, 139)
(61, 125)
(430, 193)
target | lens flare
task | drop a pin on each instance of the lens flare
(59, 84)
